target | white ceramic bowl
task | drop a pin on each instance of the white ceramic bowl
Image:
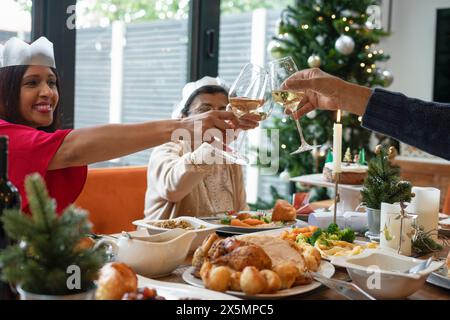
(201, 228)
(382, 273)
(154, 258)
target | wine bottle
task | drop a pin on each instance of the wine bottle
(9, 199)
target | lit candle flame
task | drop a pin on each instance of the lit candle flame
(338, 118)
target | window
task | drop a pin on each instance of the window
(15, 20)
(246, 27)
(131, 63)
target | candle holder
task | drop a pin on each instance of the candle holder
(403, 215)
(336, 195)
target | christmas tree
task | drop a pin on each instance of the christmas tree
(383, 182)
(340, 37)
(47, 245)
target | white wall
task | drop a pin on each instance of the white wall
(412, 46)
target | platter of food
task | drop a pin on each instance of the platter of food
(231, 222)
(441, 277)
(256, 266)
(326, 269)
(330, 242)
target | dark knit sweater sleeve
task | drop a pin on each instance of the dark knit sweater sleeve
(425, 125)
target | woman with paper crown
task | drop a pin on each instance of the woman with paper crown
(29, 116)
(184, 179)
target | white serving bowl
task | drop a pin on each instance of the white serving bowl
(201, 228)
(382, 273)
(154, 257)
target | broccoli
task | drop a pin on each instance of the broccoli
(333, 229)
(301, 238)
(226, 220)
(347, 235)
(323, 240)
(333, 237)
(315, 236)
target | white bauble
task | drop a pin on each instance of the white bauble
(345, 45)
(320, 39)
(273, 49)
(314, 61)
(311, 114)
(387, 77)
(285, 176)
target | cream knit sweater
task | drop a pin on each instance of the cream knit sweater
(177, 185)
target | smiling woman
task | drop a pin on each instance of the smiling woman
(38, 96)
(35, 90)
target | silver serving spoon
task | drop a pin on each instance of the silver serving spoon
(421, 266)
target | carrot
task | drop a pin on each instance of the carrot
(253, 222)
(301, 230)
(313, 228)
(238, 223)
(307, 234)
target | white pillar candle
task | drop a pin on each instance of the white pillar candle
(337, 147)
(390, 229)
(425, 205)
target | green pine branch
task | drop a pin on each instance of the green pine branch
(383, 182)
(46, 245)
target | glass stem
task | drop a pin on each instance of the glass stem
(299, 128)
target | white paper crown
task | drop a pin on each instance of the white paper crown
(190, 88)
(16, 52)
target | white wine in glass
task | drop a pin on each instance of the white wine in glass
(280, 70)
(241, 106)
(248, 95)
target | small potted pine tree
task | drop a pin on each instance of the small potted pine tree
(382, 184)
(51, 257)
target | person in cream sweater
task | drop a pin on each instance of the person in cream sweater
(179, 180)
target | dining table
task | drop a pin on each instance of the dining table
(427, 292)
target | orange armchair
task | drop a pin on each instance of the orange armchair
(114, 197)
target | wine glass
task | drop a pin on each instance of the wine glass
(279, 71)
(248, 95)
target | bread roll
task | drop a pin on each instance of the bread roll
(283, 211)
(115, 279)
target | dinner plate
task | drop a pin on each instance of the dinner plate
(179, 291)
(233, 230)
(439, 278)
(326, 269)
(277, 232)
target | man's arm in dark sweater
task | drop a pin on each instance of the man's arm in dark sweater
(425, 125)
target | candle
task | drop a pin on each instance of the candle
(425, 205)
(337, 144)
(390, 229)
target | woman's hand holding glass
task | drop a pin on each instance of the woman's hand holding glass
(248, 101)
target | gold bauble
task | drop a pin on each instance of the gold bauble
(392, 152)
(378, 149)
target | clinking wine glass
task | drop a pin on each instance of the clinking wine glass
(280, 70)
(248, 95)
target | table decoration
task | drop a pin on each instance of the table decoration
(51, 257)
(397, 228)
(426, 205)
(382, 184)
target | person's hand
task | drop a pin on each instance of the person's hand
(221, 120)
(324, 91)
(249, 121)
